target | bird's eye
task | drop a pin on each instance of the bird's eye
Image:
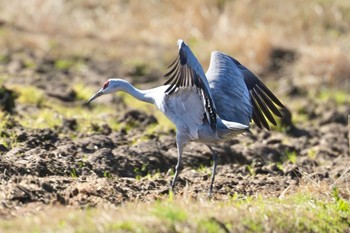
(105, 85)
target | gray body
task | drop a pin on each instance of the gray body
(185, 109)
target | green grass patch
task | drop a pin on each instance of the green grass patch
(291, 156)
(4, 77)
(300, 116)
(141, 171)
(82, 91)
(127, 226)
(49, 112)
(42, 118)
(300, 212)
(338, 96)
(67, 64)
(168, 212)
(202, 168)
(30, 95)
(8, 138)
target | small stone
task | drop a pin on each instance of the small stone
(61, 199)
(47, 187)
(75, 192)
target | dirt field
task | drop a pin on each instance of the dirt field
(57, 151)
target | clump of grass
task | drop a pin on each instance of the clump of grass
(127, 226)
(291, 156)
(83, 92)
(154, 175)
(107, 174)
(29, 63)
(4, 58)
(250, 170)
(311, 153)
(8, 138)
(66, 64)
(4, 77)
(73, 173)
(141, 171)
(340, 97)
(212, 225)
(30, 95)
(48, 112)
(42, 118)
(202, 168)
(167, 211)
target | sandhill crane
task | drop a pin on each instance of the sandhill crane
(206, 107)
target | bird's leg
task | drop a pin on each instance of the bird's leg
(180, 146)
(215, 159)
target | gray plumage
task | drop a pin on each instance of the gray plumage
(206, 108)
(230, 93)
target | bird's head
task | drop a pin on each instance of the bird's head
(111, 85)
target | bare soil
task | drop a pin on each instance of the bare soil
(48, 167)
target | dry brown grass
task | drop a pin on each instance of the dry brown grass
(147, 30)
(325, 64)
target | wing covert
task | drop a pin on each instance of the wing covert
(248, 98)
(186, 71)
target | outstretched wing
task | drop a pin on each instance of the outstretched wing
(186, 72)
(238, 94)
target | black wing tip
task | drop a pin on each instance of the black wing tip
(262, 117)
(263, 100)
(263, 106)
(269, 93)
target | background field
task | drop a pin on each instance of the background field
(109, 164)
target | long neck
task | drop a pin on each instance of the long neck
(138, 94)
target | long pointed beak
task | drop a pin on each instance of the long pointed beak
(98, 94)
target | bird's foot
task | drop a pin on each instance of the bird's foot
(210, 195)
(172, 188)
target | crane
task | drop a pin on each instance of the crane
(206, 107)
